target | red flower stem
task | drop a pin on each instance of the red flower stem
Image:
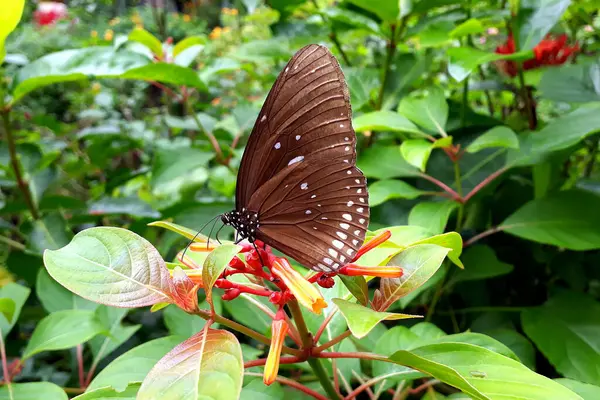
(423, 386)
(357, 354)
(225, 284)
(263, 361)
(315, 277)
(5, 371)
(245, 330)
(484, 183)
(165, 89)
(336, 378)
(332, 342)
(483, 234)
(294, 384)
(80, 366)
(443, 186)
(323, 326)
(365, 386)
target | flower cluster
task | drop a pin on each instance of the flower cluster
(271, 277)
(49, 12)
(550, 51)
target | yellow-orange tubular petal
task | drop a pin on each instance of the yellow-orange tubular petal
(279, 329)
(371, 244)
(382, 272)
(304, 291)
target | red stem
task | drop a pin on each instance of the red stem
(442, 185)
(295, 385)
(263, 361)
(4, 361)
(225, 284)
(332, 342)
(484, 183)
(483, 234)
(165, 89)
(323, 326)
(358, 354)
(80, 366)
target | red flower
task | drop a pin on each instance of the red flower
(48, 12)
(550, 51)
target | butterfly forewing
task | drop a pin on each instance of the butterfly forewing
(306, 115)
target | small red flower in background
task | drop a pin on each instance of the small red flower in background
(550, 51)
(48, 12)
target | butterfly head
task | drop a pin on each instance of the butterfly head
(245, 222)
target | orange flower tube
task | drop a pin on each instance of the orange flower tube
(279, 329)
(305, 292)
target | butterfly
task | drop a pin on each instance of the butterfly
(298, 187)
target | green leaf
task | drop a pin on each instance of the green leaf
(385, 162)
(112, 266)
(63, 330)
(387, 10)
(353, 19)
(248, 314)
(132, 206)
(18, 294)
(387, 189)
(258, 390)
(182, 230)
(416, 152)
(499, 136)
(134, 365)
(32, 391)
(481, 340)
(361, 320)
(215, 263)
(430, 112)
(9, 19)
(563, 330)
(418, 263)
(106, 393)
(567, 219)
(482, 263)
(55, 297)
(481, 373)
(384, 121)
(540, 22)
(463, 60)
(49, 232)
(469, 27)
(144, 37)
(579, 83)
(585, 390)
(397, 338)
(432, 215)
(7, 308)
(208, 365)
(110, 318)
(188, 56)
(165, 73)
(357, 285)
(450, 240)
(181, 323)
(518, 343)
(561, 133)
(171, 168)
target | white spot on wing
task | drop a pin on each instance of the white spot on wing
(359, 191)
(357, 232)
(313, 196)
(327, 261)
(298, 137)
(361, 199)
(342, 235)
(347, 217)
(349, 251)
(344, 225)
(355, 242)
(357, 181)
(341, 125)
(323, 218)
(347, 148)
(295, 160)
(304, 186)
(349, 172)
(350, 203)
(308, 212)
(277, 145)
(346, 139)
(333, 253)
(263, 119)
(362, 220)
(360, 209)
(337, 243)
(342, 259)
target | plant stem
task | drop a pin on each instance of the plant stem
(461, 206)
(80, 366)
(486, 92)
(442, 185)
(484, 183)
(13, 243)
(16, 167)
(325, 322)
(211, 138)
(350, 354)
(526, 99)
(368, 384)
(5, 371)
(245, 330)
(391, 50)
(332, 342)
(263, 361)
(293, 384)
(307, 342)
(482, 235)
(465, 101)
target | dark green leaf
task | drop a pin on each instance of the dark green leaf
(500, 136)
(541, 21)
(481, 263)
(572, 83)
(384, 121)
(432, 215)
(32, 391)
(357, 285)
(430, 112)
(18, 294)
(585, 390)
(384, 163)
(387, 189)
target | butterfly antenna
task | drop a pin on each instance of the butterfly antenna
(217, 234)
(262, 263)
(211, 231)
(196, 235)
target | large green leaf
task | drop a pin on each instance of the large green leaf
(416, 152)
(144, 37)
(432, 215)
(568, 219)
(63, 330)
(559, 134)
(499, 136)
(7, 308)
(384, 163)
(430, 112)
(481, 373)
(55, 297)
(180, 229)
(18, 295)
(387, 10)
(134, 365)
(172, 168)
(585, 390)
(32, 391)
(464, 60)
(387, 189)
(208, 365)
(418, 263)
(107, 393)
(361, 320)
(564, 329)
(481, 263)
(540, 21)
(449, 240)
(181, 323)
(579, 83)
(112, 266)
(9, 18)
(110, 318)
(384, 121)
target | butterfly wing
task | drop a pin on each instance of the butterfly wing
(306, 115)
(317, 214)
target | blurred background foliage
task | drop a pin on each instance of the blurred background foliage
(476, 116)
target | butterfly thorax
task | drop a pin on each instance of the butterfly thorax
(245, 222)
